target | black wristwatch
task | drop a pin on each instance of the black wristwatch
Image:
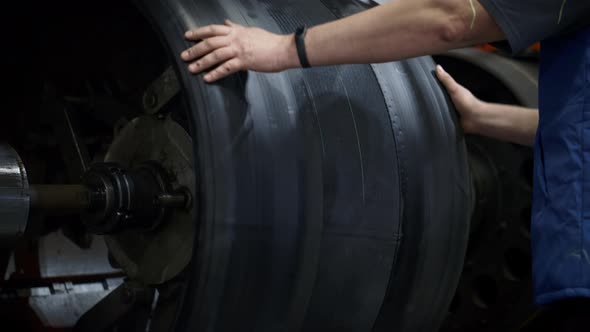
(300, 45)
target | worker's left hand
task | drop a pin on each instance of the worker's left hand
(226, 49)
(468, 106)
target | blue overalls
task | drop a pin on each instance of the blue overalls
(560, 229)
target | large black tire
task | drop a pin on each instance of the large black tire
(331, 199)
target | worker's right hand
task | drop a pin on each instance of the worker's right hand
(225, 49)
(465, 102)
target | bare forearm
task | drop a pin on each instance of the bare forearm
(508, 123)
(399, 30)
(395, 31)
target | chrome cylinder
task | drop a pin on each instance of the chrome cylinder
(14, 196)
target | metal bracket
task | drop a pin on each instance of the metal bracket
(128, 308)
(161, 91)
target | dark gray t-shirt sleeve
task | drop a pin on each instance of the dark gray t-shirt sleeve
(525, 22)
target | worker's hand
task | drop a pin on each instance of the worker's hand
(225, 49)
(465, 102)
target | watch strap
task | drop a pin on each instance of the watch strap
(300, 45)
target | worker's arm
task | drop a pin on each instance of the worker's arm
(504, 122)
(394, 31)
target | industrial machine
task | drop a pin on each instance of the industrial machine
(135, 197)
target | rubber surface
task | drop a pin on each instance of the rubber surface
(332, 199)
